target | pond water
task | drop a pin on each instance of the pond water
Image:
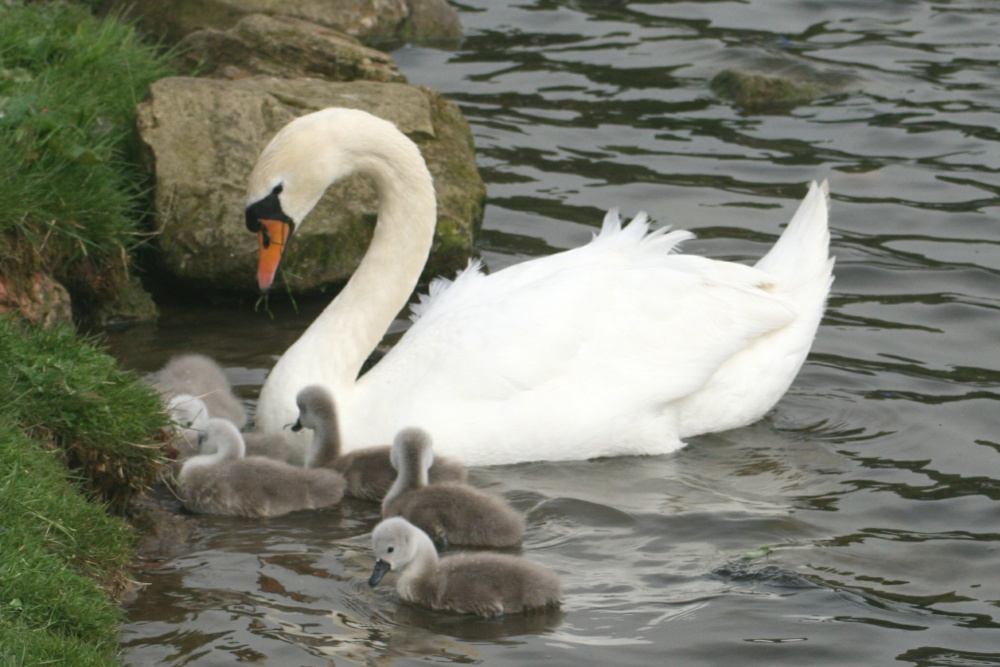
(857, 524)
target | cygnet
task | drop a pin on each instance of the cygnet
(225, 482)
(200, 376)
(368, 472)
(449, 513)
(190, 415)
(482, 583)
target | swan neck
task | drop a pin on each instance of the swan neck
(225, 449)
(423, 567)
(387, 275)
(324, 449)
(410, 476)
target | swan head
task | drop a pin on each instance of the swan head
(395, 542)
(316, 408)
(294, 170)
(221, 437)
(412, 450)
(188, 411)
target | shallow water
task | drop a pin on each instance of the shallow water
(856, 525)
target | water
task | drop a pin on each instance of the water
(856, 525)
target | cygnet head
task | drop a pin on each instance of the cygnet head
(222, 437)
(412, 450)
(316, 408)
(187, 410)
(395, 542)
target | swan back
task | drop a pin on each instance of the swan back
(485, 584)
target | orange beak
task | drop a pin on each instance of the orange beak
(271, 240)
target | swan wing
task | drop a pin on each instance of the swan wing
(613, 331)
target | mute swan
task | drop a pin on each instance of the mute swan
(616, 347)
(200, 376)
(368, 472)
(482, 583)
(449, 513)
(225, 482)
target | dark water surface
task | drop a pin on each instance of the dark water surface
(858, 524)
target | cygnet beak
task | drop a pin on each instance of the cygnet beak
(381, 567)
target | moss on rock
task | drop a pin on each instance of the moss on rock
(761, 93)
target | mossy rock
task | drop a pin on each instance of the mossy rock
(754, 92)
(202, 138)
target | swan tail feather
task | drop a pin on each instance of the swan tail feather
(802, 252)
(637, 231)
(439, 286)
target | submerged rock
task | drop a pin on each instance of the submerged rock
(201, 137)
(133, 305)
(754, 92)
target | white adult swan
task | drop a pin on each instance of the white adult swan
(617, 347)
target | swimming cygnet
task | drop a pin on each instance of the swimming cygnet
(449, 513)
(200, 376)
(482, 583)
(368, 472)
(225, 482)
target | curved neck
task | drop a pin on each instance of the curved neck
(324, 449)
(411, 472)
(354, 323)
(423, 567)
(221, 447)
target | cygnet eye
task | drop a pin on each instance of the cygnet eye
(389, 550)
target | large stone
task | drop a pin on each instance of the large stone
(283, 46)
(374, 22)
(201, 138)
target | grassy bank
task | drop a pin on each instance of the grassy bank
(72, 203)
(76, 434)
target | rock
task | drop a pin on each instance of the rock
(754, 92)
(374, 22)
(201, 137)
(282, 46)
(133, 305)
(41, 300)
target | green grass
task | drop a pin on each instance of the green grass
(63, 557)
(71, 206)
(67, 393)
(54, 548)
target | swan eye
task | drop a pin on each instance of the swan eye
(268, 208)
